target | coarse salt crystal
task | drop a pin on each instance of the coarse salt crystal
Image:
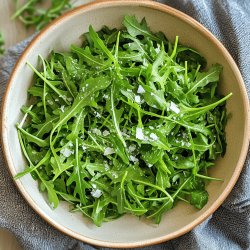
(115, 175)
(133, 158)
(131, 148)
(96, 193)
(139, 134)
(140, 90)
(157, 50)
(84, 148)
(66, 152)
(153, 136)
(106, 167)
(138, 99)
(150, 165)
(97, 114)
(174, 107)
(109, 151)
(50, 102)
(96, 131)
(151, 127)
(105, 133)
(62, 108)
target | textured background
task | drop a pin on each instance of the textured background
(228, 228)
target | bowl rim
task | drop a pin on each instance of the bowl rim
(195, 24)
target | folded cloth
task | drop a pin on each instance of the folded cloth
(229, 227)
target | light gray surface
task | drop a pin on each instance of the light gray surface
(229, 226)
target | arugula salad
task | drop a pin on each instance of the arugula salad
(126, 123)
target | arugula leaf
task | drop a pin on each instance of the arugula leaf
(135, 28)
(1, 43)
(31, 14)
(49, 186)
(202, 79)
(199, 199)
(78, 178)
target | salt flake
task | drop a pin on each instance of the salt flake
(138, 99)
(96, 131)
(106, 167)
(133, 158)
(105, 133)
(153, 136)
(157, 50)
(97, 114)
(139, 134)
(109, 151)
(96, 193)
(62, 108)
(66, 152)
(174, 107)
(131, 148)
(140, 90)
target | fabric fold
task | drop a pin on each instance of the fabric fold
(228, 227)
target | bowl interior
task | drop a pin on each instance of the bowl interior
(59, 37)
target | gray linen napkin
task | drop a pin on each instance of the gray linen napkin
(228, 227)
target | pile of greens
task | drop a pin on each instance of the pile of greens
(126, 123)
(32, 14)
(1, 44)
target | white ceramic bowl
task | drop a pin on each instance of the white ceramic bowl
(128, 231)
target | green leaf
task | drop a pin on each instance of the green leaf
(31, 138)
(86, 55)
(1, 43)
(199, 199)
(99, 211)
(99, 43)
(52, 195)
(205, 78)
(135, 28)
(78, 177)
(30, 12)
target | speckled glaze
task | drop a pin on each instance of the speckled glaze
(128, 231)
